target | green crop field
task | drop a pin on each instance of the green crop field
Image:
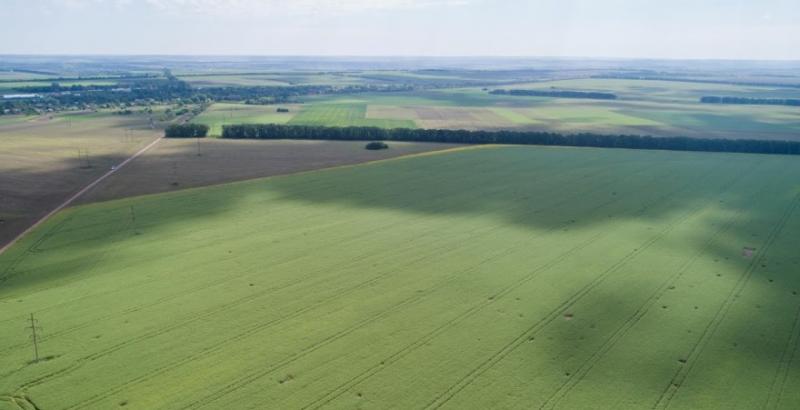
(514, 277)
(345, 115)
(225, 114)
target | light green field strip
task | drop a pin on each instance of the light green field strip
(345, 115)
(515, 277)
(664, 91)
(226, 114)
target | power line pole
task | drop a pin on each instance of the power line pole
(34, 327)
(133, 221)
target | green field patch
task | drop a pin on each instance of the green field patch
(345, 115)
(515, 116)
(220, 114)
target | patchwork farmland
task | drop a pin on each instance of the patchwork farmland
(515, 277)
(659, 108)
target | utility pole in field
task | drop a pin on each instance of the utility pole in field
(34, 327)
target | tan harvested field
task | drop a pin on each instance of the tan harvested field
(174, 164)
(40, 167)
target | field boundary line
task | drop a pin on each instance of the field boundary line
(78, 194)
(306, 172)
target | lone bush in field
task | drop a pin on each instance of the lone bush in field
(186, 131)
(376, 145)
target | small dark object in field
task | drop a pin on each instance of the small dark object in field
(376, 145)
(568, 316)
(123, 403)
(283, 110)
(682, 360)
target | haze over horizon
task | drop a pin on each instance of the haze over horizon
(680, 29)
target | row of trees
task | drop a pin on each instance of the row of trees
(591, 95)
(186, 131)
(695, 80)
(750, 101)
(276, 131)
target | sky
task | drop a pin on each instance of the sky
(677, 29)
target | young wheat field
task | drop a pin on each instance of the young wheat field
(513, 277)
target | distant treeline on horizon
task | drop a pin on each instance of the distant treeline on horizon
(589, 95)
(750, 101)
(309, 132)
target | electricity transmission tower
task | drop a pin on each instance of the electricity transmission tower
(83, 158)
(35, 337)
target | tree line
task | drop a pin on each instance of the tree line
(310, 132)
(694, 80)
(591, 95)
(186, 131)
(750, 101)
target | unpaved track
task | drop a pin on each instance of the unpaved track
(78, 194)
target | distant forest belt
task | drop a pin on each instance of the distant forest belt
(751, 101)
(308, 132)
(589, 95)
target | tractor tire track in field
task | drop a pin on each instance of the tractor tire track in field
(224, 343)
(577, 376)
(20, 402)
(674, 385)
(8, 272)
(471, 376)
(461, 317)
(778, 385)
